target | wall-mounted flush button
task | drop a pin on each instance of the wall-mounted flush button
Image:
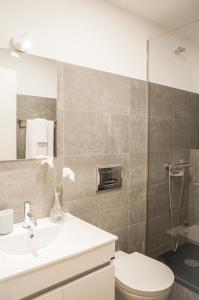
(109, 178)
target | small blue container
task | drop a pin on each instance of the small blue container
(6, 221)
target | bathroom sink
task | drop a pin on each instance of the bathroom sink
(24, 241)
(50, 254)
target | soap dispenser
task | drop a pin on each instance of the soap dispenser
(6, 221)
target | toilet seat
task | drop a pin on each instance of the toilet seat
(141, 275)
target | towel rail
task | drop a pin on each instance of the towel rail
(22, 123)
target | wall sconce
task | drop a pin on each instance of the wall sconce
(19, 44)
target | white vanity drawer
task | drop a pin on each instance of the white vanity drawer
(95, 286)
(48, 276)
(56, 294)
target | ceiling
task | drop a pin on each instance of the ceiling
(169, 14)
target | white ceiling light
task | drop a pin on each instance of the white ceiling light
(20, 44)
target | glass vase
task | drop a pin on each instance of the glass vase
(57, 213)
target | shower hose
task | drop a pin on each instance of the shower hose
(175, 173)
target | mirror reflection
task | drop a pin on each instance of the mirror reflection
(28, 93)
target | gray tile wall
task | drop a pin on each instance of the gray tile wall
(193, 205)
(25, 181)
(104, 122)
(30, 107)
(101, 121)
(138, 166)
(173, 131)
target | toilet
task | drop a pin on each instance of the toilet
(139, 277)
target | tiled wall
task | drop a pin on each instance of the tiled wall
(173, 131)
(101, 121)
(193, 205)
(104, 123)
(138, 166)
(25, 181)
(30, 107)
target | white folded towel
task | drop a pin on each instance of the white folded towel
(42, 130)
(39, 138)
(51, 125)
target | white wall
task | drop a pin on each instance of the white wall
(179, 71)
(7, 114)
(90, 33)
(36, 76)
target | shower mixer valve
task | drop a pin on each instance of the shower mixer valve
(177, 166)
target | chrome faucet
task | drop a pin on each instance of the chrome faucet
(29, 219)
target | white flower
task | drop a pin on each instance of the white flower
(67, 172)
(49, 162)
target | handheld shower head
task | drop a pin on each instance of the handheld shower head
(176, 173)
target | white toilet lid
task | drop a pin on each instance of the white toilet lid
(141, 275)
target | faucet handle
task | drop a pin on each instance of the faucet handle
(27, 208)
(33, 219)
(28, 217)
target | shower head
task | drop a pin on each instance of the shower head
(179, 50)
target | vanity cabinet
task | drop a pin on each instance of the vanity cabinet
(97, 285)
(56, 294)
(77, 265)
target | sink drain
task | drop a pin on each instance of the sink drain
(191, 263)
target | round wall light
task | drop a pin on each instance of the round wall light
(20, 44)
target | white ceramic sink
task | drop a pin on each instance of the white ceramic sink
(50, 242)
(23, 241)
(56, 253)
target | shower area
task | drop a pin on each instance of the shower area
(173, 158)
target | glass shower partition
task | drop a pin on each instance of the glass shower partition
(173, 152)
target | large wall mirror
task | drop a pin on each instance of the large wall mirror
(28, 94)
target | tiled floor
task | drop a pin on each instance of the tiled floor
(179, 292)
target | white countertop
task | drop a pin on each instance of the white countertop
(75, 238)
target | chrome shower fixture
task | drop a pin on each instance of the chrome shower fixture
(176, 169)
(179, 50)
(178, 164)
